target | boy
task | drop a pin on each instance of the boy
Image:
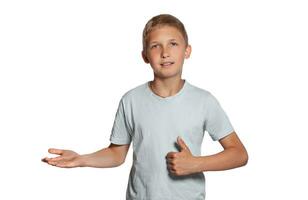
(165, 119)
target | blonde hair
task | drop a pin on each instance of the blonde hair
(159, 21)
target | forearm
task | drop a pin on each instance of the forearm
(226, 159)
(104, 158)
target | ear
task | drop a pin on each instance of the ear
(187, 51)
(144, 57)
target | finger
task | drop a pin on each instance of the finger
(170, 164)
(52, 163)
(182, 143)
(44, 159)
(170, 159)
(56, 164)
(55, 151)
(65, 164)
(171, 155)
(56, 159)
(172, 171)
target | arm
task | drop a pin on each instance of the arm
(184, 162)
(234, 155)
(112, 156)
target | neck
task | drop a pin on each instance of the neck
(166, 87)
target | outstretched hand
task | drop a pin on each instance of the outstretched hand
(183, 162)
(67, 158)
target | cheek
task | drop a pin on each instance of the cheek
(179, 55)
(154, 57)
(178, 50)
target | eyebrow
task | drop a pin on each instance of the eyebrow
(168, 40)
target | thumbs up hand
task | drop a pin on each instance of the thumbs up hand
(183, 162)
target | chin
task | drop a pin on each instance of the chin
(167, 74)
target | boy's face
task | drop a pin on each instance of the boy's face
(166, 51)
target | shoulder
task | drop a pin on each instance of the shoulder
(203, 94)
(134, 93)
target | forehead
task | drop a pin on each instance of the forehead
(165, 33)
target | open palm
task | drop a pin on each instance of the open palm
(67, 158)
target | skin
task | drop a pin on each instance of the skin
(184, 163)
(112, 156)
(167, 44)
(164, 44)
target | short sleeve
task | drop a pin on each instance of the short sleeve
(121, 132)
(217, 123)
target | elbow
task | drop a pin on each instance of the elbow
(244, 158)
(241, 157)
(120, 162)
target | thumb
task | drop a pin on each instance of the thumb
(182, 144)
(55, 151)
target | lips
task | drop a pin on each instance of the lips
(166, 64)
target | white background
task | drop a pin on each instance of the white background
(66, 64)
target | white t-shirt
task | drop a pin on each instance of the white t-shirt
(153, 124)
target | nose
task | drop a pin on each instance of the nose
(164, 53)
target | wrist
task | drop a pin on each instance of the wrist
(199, 164)
(82, 160)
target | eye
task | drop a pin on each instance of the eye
(154, 46)
(174, 44)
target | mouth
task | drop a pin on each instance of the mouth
(166, 64)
